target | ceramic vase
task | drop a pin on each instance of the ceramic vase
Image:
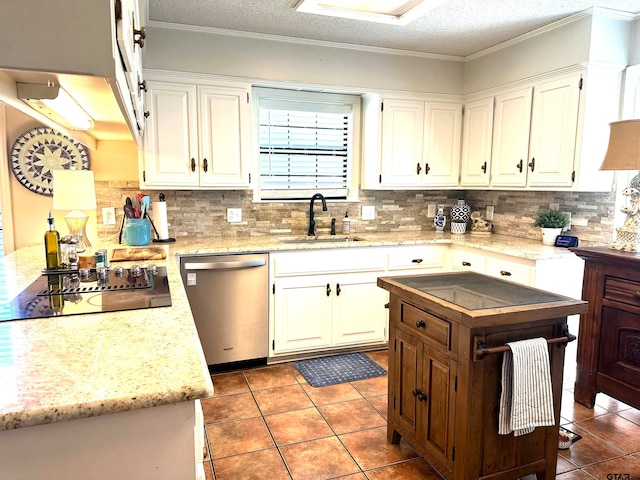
(549, 235)
(440, 219)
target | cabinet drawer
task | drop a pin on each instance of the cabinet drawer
(513, 272)
(417, 257)
(312, 262)
(435, 330)
(462, 260)
(620, 290)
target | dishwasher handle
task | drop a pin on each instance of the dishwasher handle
(225, 265)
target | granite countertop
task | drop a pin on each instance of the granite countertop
(69, 367)
(514, 246)
(63, 368)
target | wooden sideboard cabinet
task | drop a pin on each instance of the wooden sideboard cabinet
(609, 335)
(446, 332)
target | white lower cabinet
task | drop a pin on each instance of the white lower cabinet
(329, 299)
(324, 299)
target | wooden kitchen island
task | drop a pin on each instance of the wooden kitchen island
(446, 332)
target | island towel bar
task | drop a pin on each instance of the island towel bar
(482, 350)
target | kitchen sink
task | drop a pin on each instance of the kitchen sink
(321, 239)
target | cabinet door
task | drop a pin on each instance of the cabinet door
(436, 427)
(224, 133)
(512, 120)
(171, 139)
(302, 309)
(476, 143)
(408, 355)
(359, 315)
(402, 138)
(554, 122)
(441, 150)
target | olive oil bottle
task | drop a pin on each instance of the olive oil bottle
(52, 245)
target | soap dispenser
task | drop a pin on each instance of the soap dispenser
(346, 224)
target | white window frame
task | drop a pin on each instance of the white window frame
(283, 95)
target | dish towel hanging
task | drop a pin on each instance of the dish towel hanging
(526, 400)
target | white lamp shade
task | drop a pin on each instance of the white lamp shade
(74, 190)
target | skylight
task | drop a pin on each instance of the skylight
(396, 12)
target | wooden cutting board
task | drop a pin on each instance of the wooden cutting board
(137, 253)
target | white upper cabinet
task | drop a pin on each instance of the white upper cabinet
(170, 139)
(511, 138)
(532, 133)
(411, 143)
(402, 139)
(554, 122)
(224, 126)
(197, 136)
(476, 143)
(441, 156)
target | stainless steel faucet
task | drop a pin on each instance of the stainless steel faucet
(312, 222)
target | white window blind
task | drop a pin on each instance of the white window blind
(305, 147)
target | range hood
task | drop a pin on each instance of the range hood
(74, 48)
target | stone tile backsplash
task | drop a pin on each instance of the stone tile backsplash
(204, 212)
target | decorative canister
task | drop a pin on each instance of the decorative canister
(458, 228)
(440, 219)
(460, 212)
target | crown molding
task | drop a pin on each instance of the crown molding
(605, 12)
(302, 41)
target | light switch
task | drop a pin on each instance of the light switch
(108, 216)
(431, 210)
(489, 213)
(368, 212)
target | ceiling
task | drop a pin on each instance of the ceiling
(457, 27)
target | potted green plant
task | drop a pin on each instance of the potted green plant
(551, 222)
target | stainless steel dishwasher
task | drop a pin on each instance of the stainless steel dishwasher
(229, 296)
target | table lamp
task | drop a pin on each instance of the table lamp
(75, 190)
(623, 153)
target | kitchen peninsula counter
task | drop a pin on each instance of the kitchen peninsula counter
(64, 368)
(113, 393)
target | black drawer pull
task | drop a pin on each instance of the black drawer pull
(421, 324)
(466, 264)
(504, 273)
(416, 260)
(386, 305)
(418, 168)
(193, 164)
(328, 289)
(519, 165)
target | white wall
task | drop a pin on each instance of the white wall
(253, 58)
(597, 38)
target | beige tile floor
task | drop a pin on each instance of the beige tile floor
(268, 423)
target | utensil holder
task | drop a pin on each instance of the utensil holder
(137, 232)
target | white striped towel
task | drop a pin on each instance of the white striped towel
(526, 400)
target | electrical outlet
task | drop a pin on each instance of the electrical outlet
(368, 212)
(108, 215)
(489, 213)
(431, 210)
(234, 215)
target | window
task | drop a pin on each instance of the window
(306, 144)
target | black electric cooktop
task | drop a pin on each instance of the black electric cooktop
(69, 293)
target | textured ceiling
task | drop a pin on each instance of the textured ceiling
(457, 27)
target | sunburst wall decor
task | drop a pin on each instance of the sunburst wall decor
(39, 151)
